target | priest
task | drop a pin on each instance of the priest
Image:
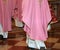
(36, 16)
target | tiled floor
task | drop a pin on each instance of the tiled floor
(19, 41)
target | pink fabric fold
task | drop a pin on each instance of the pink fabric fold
(36, 17)
(18, 10)
(5, 14)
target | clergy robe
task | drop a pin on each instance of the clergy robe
(5, 14)
(36, 16)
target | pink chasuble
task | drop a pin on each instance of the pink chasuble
(5, 14)
(36, 16)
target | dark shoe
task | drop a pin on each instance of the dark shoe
(1, 37)
(31, 48)
(42, 48)
(4, 39)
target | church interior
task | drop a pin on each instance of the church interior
(17, 37)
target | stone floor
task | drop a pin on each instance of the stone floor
(19, 43)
